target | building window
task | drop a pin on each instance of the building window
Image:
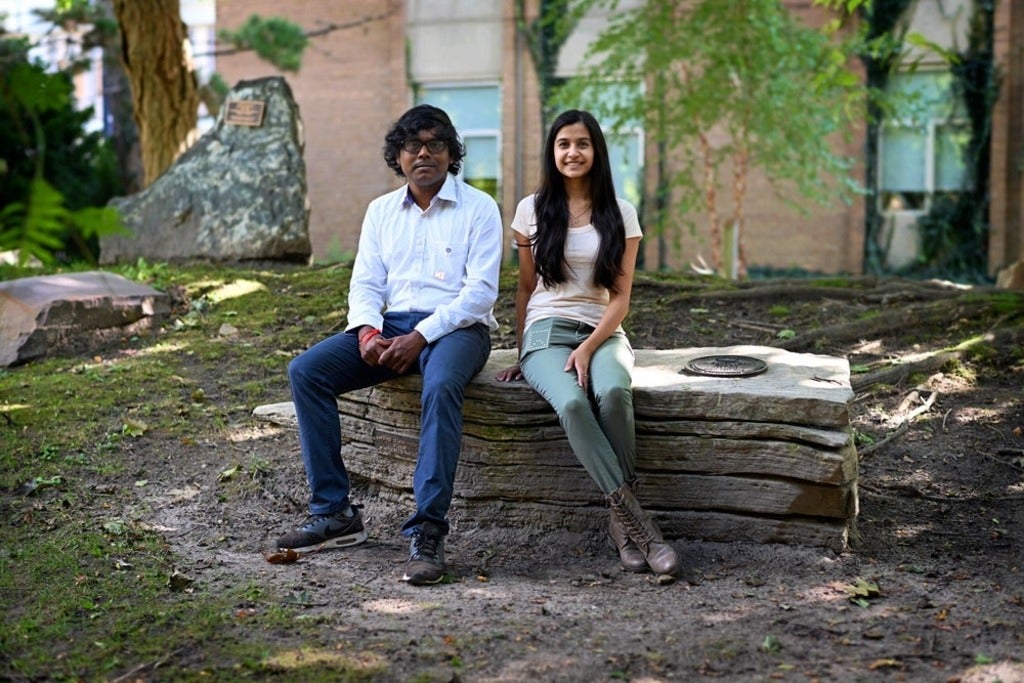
(922, 148)
(476, 112)
(625, 152)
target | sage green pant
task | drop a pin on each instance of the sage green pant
(598, 423)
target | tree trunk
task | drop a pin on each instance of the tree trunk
(157, 57)
(119, 123)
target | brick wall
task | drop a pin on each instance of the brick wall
(351, 87)
(354, 83)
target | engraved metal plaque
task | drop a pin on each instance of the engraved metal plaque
(244, 113)
(725, 366)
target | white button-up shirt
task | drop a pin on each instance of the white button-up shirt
(445, 260)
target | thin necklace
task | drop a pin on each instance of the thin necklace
(575, 217)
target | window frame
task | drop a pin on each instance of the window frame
(479, 133)
(928, 122)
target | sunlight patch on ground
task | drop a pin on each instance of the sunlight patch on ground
(490, 593)
(909, 531)
(361, 663)
(871, 347)
(235, 289)
(827, 592)
(1004, 671)
(995, 414)
(155, 349)
(253, 432)
(399, 606)
(125, 356)
(182, 494)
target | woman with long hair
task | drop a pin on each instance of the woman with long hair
(577, 245)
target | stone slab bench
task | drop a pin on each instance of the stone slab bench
(764, 458)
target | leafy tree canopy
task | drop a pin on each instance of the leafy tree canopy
(726, 86)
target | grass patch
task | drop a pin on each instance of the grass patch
(85, 585)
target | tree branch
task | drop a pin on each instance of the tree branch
(329, 28)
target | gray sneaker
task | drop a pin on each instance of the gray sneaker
(325, 531)
(426, 556)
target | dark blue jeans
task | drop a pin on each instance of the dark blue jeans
(334, 366)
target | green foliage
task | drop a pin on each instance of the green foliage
(954, 232)
(953, 240)
(40, 226)
(274, 39)
(55, 173)
(781, 105)
(545, 37)
(88, 25)
(68, 423)
(35, 226)
(219, 86)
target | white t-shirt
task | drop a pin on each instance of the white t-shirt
(577, 298)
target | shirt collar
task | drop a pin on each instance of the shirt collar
(449, 192)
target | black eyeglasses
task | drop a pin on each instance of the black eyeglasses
(414, 145)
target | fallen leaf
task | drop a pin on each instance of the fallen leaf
(228, 474)
(771, 644)
(287, 556)
(134, 428)
(861, 590)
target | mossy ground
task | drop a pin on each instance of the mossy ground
(137, 494)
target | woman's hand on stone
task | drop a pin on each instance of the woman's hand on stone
(510, 374)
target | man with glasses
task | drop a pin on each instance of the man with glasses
(420, 300)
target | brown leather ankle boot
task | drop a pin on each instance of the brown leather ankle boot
(642, 530)
(630, 556)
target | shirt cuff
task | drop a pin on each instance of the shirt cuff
(430, 328)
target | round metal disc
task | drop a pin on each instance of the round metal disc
(726, 366)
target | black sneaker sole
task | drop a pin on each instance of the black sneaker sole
(346, 541)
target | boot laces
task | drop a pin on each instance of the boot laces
(425, 546)
(634, 527)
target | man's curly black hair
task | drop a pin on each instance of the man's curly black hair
(420, 118)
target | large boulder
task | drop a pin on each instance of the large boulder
(73, 313)
(239, 193)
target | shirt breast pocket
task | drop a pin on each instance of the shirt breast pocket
(447, 259)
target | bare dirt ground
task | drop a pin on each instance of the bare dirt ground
(932, 589)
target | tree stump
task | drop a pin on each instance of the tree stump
(764, 458)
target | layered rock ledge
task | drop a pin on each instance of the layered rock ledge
(764, 458)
